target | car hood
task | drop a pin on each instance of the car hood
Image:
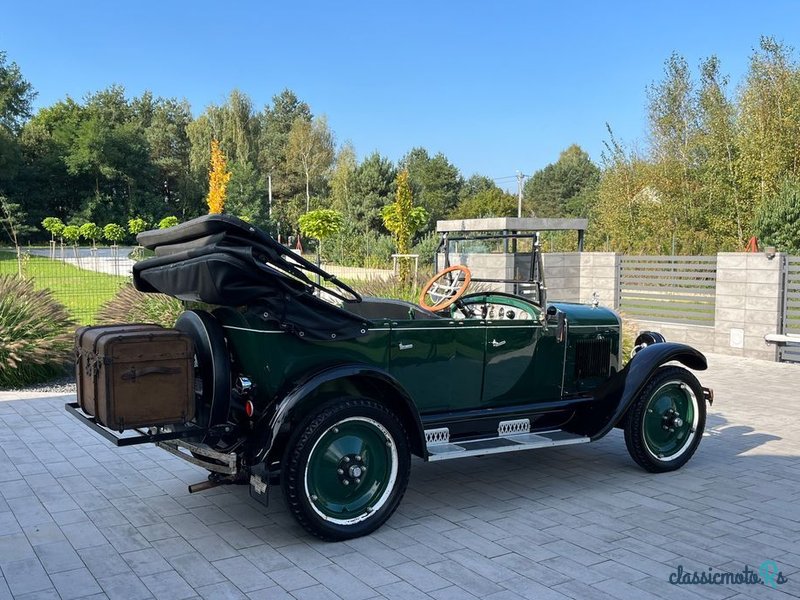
(586, 314)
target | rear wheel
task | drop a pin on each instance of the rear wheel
(346, 469)
(665, 424)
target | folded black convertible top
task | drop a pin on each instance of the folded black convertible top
(222, 260)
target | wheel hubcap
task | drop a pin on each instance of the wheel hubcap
(351, 470)
(670, 421)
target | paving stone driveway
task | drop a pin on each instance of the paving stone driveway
(80, 518)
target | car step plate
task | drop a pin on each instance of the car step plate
(504, 443)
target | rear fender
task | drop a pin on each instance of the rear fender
(614, 397)
(272, 430)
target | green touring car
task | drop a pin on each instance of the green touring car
(301, 381)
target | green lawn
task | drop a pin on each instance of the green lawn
(82, 291)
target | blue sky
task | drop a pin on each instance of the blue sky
(497, 86)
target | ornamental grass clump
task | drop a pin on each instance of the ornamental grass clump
(36, 334)
(132, 306)
(630, 330)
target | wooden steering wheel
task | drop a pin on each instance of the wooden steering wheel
(444, 288)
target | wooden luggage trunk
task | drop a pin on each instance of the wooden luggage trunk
(132, 376)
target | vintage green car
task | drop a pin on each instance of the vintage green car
(301, 381)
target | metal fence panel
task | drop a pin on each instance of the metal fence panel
(82, 279)
(671, 289)
(791, 307)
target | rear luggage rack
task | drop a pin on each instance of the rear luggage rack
(140, 437)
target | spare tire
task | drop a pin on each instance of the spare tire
(212, 368)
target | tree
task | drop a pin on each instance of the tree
(72, 233)
(168, 222)
(777, 221)
(109, 148)
(566, 187)
(54, 226)
(114, 233)
(492, 202)
(165, 123)
(218, 178)
(246, 196)
(343, 178)
(91, 231)
(276, 123)
(475, 185)
(310, 149)
(16, 95)
(10, 158)
(404, 219)
(769, 121)
(235, 125)
(136, 226)
(373, 188)
(321, 224)
(626, 215)
(435, 181)
(719, 167)
(12, 220)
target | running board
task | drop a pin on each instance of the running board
(444, 450)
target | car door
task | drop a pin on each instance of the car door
(439, 362)
(524, 364)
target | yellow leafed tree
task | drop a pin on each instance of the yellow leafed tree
(218, 178)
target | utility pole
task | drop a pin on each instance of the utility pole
(520, 177)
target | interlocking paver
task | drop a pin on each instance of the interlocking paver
(75, 584)
(58, 556)
(126, 586)
(243, 573)
(25, 575)
(81, 518)
(193, 567)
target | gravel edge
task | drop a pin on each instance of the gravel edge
(62, 385)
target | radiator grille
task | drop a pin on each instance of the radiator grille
(592, 358)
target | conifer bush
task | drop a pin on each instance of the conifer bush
(36, 334)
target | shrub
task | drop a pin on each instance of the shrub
(132, 306)
(35, 333)
(168, 222)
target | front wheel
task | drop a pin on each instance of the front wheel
(665, 423)
(346, 469)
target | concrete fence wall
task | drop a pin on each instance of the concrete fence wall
(748, 301)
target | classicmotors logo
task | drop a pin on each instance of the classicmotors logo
(768, 574)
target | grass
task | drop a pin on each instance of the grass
(83, 292)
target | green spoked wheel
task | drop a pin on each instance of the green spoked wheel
(666, 421)
(346, 469)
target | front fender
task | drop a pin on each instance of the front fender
(614, 397)
(268, 428)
